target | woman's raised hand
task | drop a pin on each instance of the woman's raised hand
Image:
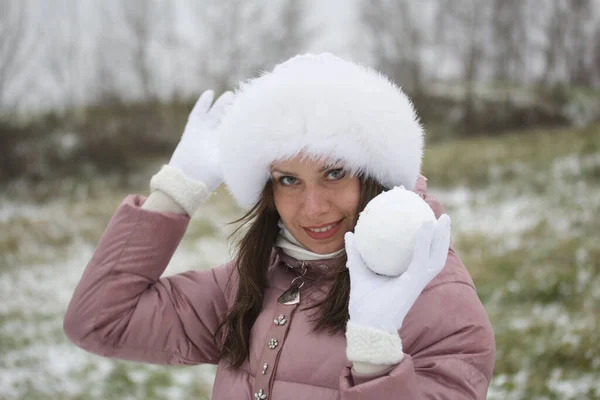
(382, 302)
(196, 155)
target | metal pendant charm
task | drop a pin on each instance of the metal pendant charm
(291, 296)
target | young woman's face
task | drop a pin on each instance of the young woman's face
(317, 202)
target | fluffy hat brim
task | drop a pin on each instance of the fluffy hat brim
(324, 107)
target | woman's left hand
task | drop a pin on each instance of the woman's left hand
(382, 302)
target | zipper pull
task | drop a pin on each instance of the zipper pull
(292, 295)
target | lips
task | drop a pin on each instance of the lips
(323, 231)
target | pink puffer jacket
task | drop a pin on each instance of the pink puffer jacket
(122, 308)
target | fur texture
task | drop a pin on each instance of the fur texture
(326, 108)
(187, 193)
(372, 346)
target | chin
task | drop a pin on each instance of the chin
(327, 249)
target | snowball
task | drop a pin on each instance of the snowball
(386, 230)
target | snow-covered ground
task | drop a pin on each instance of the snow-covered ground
(46, 245)
(37, 281)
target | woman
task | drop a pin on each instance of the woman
(296, 314)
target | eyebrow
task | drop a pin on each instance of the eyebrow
(327, 167)
(332, 165)
(323, 169)
(282, 172)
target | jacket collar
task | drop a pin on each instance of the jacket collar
(311, 268)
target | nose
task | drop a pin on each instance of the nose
(316, 202)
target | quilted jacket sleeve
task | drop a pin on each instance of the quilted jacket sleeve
(121, 307)
(451, 352)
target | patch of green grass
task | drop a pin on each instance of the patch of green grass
(483, 161)
(201, 227)
(539, 283)
(157, 382)
(9, 341)
(119, 384)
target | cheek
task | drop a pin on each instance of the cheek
(285, 206)
(351, 200)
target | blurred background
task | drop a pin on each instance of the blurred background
(94, 97)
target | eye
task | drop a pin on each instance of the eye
(336, 174)
(287, 180)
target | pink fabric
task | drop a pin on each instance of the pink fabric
(122, 308)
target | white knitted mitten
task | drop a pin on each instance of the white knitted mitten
(195, 169)
(379, 304)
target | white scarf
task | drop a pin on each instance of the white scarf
(293, 248)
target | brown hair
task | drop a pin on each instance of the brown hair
(254, 251)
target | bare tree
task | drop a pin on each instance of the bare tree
(510, 40)
(63, 56)
(596, 56)
(468, 37)
(237, 38)
(138, 18)
(288, 34)
(16, 44)
(397, 37)
(125, 65)
(165, 37)
(110, 56)
(234, 39)
(580, 48)
(556, 45)
(568, 53)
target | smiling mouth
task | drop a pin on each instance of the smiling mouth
(324, 228)
(324, 231)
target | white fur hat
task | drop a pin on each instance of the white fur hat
(326, 108)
